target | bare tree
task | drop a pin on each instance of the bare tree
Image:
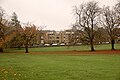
(87, 18)
(117, 7)
(110, 22)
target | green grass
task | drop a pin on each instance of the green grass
(66, 48)
(59, 67)
(106, 47)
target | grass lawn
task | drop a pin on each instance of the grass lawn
(59, 67)
(65, 48)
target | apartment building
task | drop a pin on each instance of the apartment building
(66, 37)
(72, 37)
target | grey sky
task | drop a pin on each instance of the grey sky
(55, 14)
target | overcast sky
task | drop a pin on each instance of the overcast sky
(55, 14)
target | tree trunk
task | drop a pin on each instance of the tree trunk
(92, 47)
(1, 50)
(26, 48)
(19, 47)
(112, 44)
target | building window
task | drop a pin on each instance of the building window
(57, 37)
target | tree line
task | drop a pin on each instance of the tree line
(13, 34)
(90, 18)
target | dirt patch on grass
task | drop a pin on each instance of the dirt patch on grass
(81, 52)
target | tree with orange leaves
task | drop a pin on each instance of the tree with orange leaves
(29, 33)
(2, 29)
(6, 33)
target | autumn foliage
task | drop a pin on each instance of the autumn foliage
(28, 34)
